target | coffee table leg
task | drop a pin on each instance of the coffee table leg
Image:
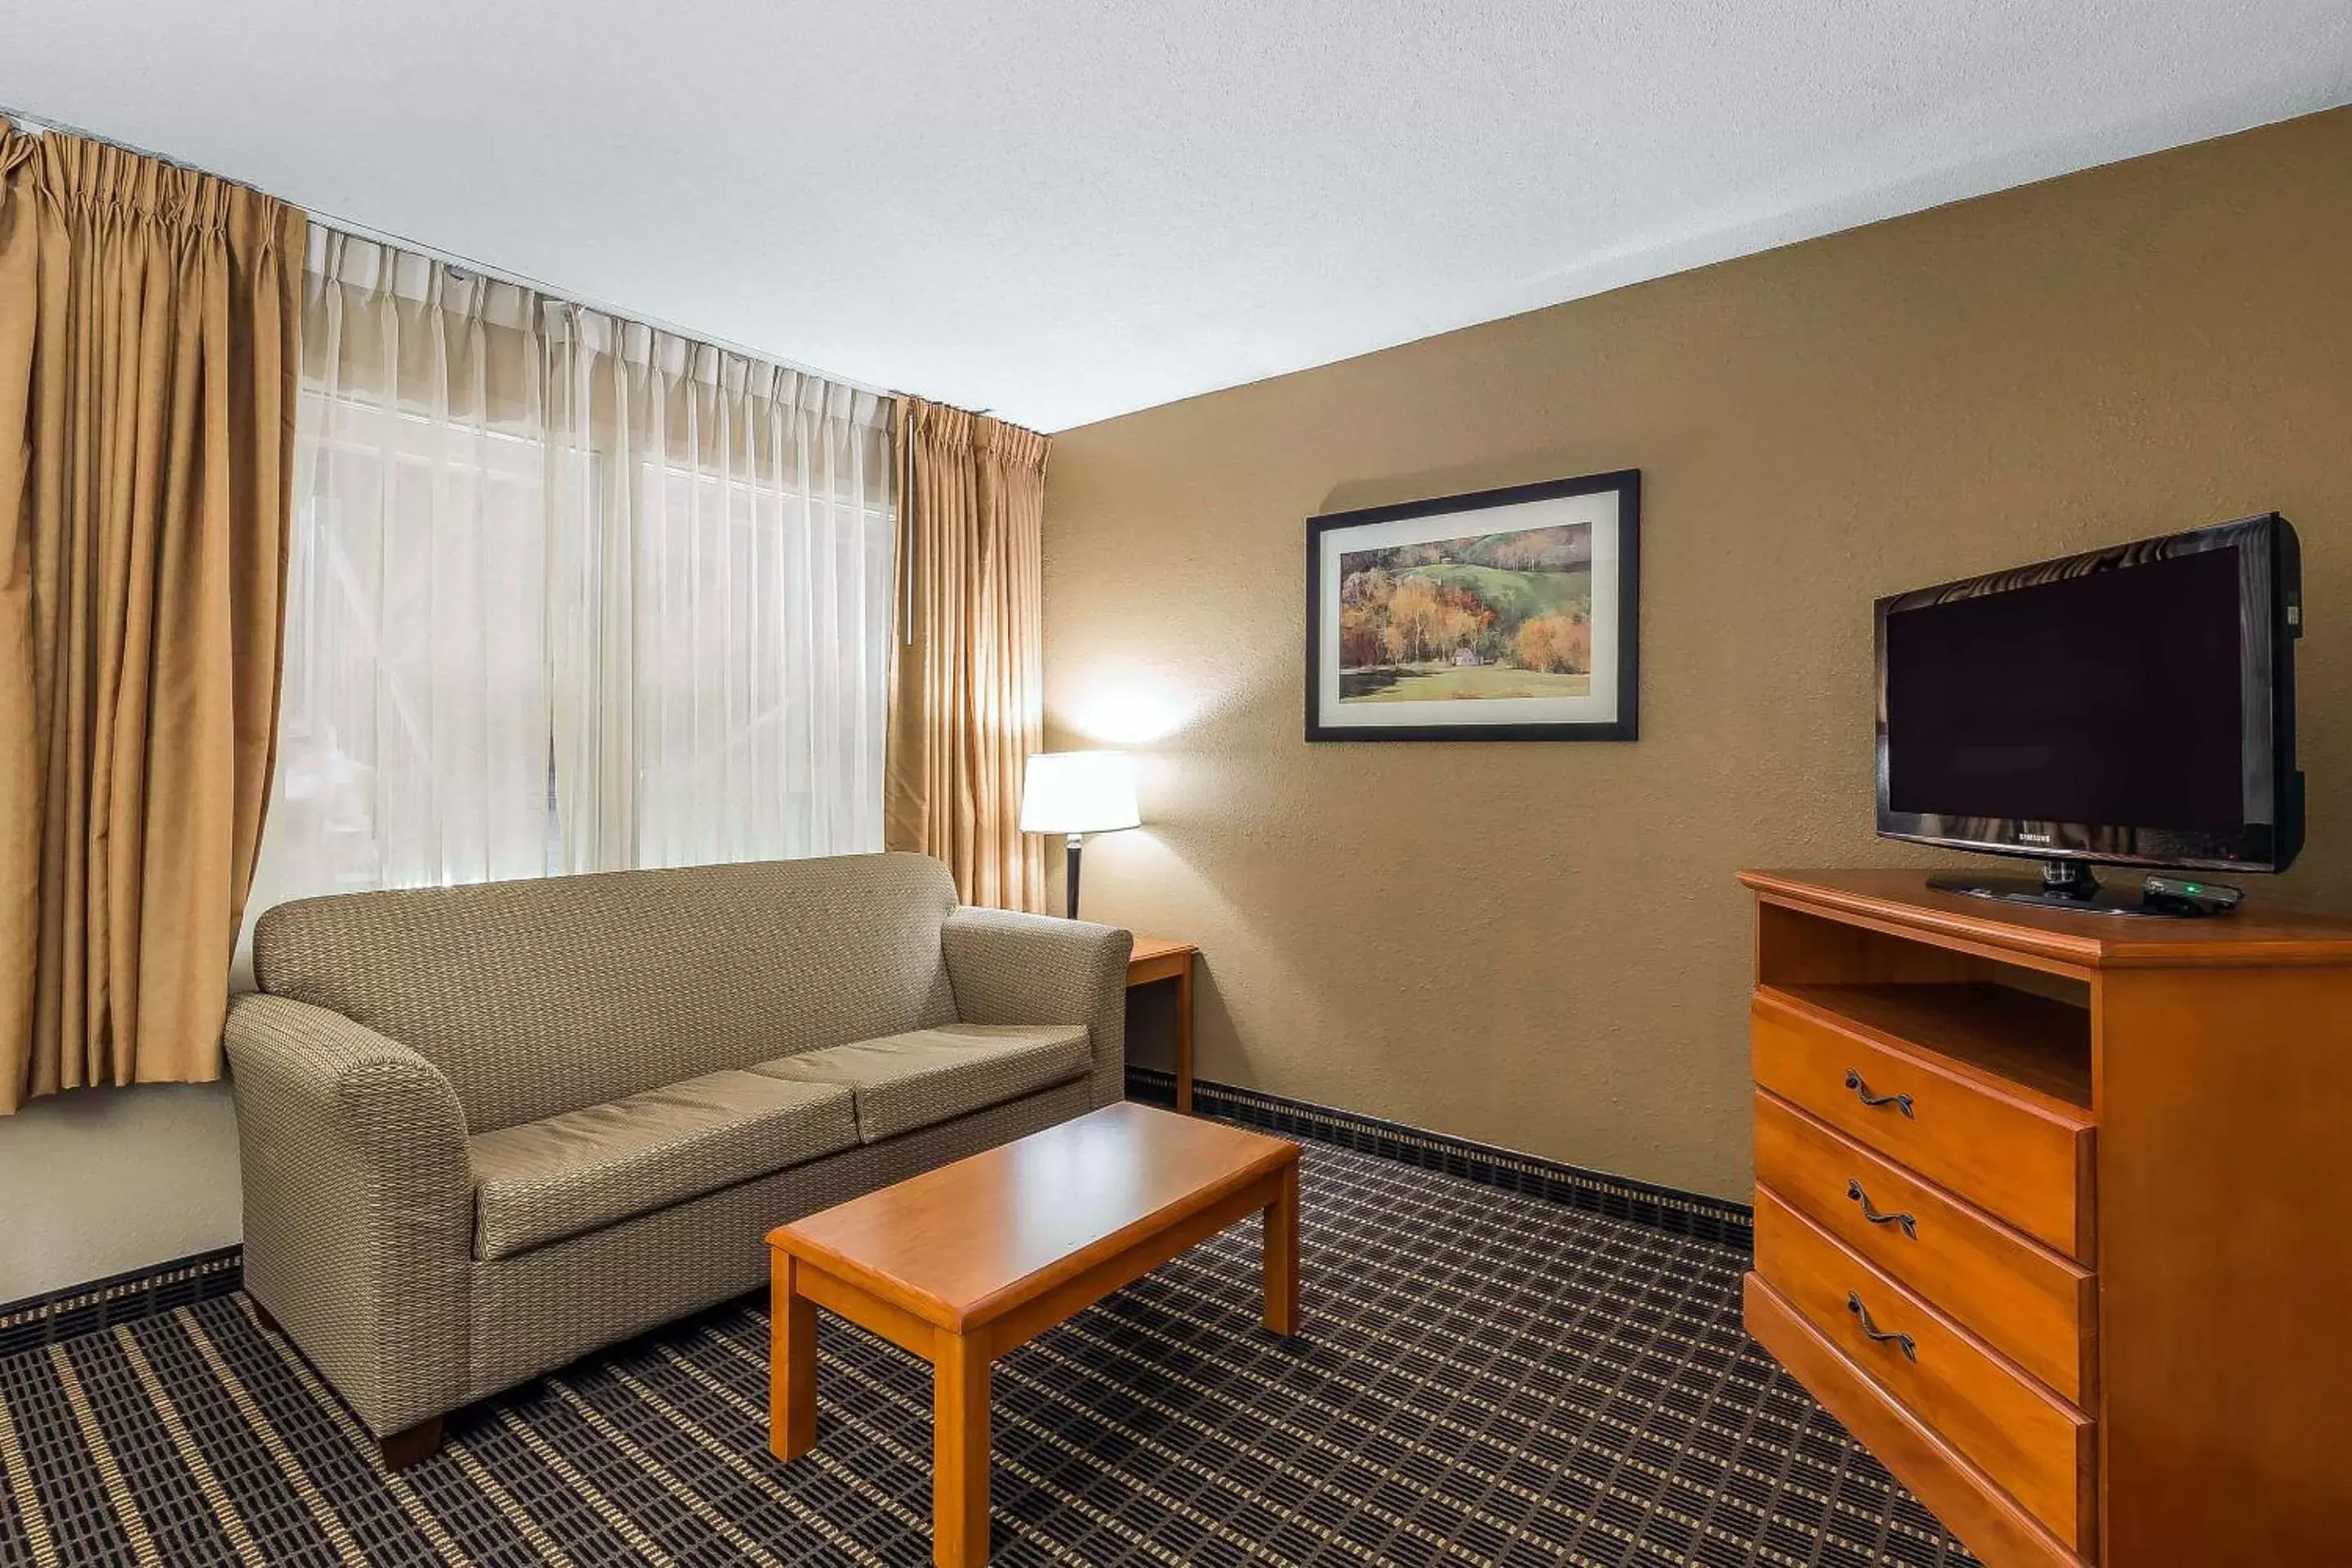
(959, 1454)
(1282, 1255)
(791, 1368)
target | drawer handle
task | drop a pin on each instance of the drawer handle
(1871, 1331)
(1901, 1102)
(1910, 1227)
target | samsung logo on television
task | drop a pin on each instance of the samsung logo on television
(2034, 839)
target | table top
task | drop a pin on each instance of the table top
(965, 1243)
(1158, 947)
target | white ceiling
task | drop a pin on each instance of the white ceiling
(1063, 210)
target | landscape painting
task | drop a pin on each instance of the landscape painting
(1502, 616)
(1489, 617)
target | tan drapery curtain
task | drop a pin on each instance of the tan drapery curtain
(147, 364)
(967, 692)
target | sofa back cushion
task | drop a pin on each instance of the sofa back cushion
(540, 998)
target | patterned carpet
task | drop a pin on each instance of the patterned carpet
(1484, 1378)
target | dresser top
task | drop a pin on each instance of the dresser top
(1902, 901)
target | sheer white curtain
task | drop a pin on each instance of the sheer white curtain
(567, 593)
(720, 596)
(414, 722)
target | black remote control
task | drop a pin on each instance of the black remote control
(2183, 896)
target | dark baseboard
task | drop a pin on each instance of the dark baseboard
(1668, 1209)
(120, 1299)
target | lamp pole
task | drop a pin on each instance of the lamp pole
(1073, 844)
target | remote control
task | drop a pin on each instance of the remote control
(2182, 896)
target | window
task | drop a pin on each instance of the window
(567, 593)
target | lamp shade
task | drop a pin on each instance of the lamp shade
(1079, 791)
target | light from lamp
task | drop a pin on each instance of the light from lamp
(1079, 792)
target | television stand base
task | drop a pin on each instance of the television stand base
(2065, 885)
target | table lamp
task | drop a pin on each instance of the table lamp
(1076, 794)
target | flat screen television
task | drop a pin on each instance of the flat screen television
(2132, 706)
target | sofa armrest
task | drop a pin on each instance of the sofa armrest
(1010, 968)
(358, 1206)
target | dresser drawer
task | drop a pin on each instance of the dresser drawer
(2037, 1448)
(2025, 1159)
(1987, 1519)
(2034, 1307)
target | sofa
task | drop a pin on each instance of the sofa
(486, 1129)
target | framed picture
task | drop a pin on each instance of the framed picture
(1506, 615)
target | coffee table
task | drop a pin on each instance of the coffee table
(961, 1264)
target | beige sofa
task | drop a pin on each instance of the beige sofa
(488, 1129)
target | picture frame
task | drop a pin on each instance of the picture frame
(1501, 614)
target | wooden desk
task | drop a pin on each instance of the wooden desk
(963, 1263)
(1155, 959)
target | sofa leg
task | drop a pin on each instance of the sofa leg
(414, 1446)
(402, 1449)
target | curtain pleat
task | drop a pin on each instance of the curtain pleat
(966, 695)
(147, 360)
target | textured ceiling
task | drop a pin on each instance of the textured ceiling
(1063, 211)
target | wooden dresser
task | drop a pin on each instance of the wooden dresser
(2053, 1211)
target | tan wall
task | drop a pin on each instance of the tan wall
(1542, 946)
(96, 1182)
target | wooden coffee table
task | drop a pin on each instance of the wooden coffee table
(963, 1263)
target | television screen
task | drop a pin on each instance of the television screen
(2133, 705)
(2112, 697)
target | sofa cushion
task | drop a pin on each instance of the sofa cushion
(926, 1076)
(546, 1180)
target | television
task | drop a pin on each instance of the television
(2131, 706)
